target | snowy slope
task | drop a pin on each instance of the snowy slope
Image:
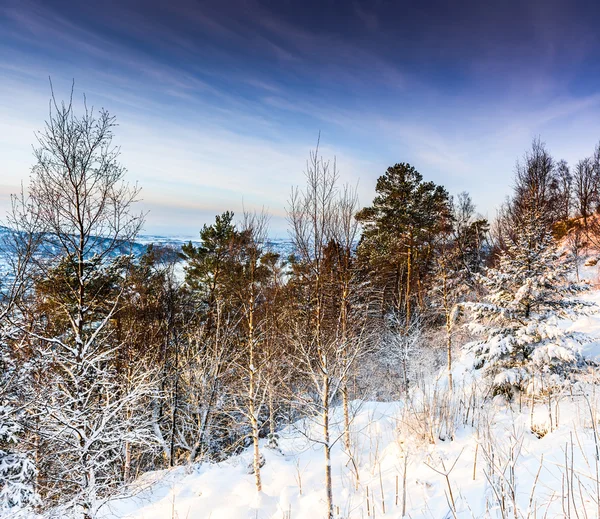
(226, 491)
(501, 455)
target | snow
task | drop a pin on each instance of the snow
(17, 471)
(543, 459)
(226, 491)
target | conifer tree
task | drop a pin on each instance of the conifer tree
(212, 274)
(400, 230)
(208, 265)
(528, 291)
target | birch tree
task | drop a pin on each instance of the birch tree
(84, 212)
(324, 350)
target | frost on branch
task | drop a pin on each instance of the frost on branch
(17, 471)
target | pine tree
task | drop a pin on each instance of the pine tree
(400, 230)
(529, 290)
(212, 273)
(209, 266)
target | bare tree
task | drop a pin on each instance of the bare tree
(82, 209)
(596, 160)
(323, 232)
(459, 258)
(206, 376)
(586, 188)
(535, 182)
(311, 214)
(345, 234)
(565, 189)
(252, 391)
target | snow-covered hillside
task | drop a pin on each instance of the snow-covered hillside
(385, 444)
(435, 455)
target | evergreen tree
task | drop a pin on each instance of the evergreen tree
(208, 268)
(224, 276)
(400, 231)
(527, 292)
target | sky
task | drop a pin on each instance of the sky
(219, 102)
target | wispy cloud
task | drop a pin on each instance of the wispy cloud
(223, 102)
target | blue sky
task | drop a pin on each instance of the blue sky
(219, 102)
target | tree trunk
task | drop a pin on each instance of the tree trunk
(174, 418)
(175, 406)
(127, 466)
(408, 282)
(405, 364)
(252, 411)
(256, 458)
(271, 417)
(344, 385)
(327, 446)
(448, 311)
(449, 350)
(346, 407)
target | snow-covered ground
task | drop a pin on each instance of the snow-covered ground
(436, 454)
(293, 477)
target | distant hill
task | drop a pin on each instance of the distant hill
(284, 247)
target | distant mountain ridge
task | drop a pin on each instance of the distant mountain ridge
(284, 247)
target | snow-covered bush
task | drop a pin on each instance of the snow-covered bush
(17, 470)
(404, 356)
(529, 290)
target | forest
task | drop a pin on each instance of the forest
(116, 363)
